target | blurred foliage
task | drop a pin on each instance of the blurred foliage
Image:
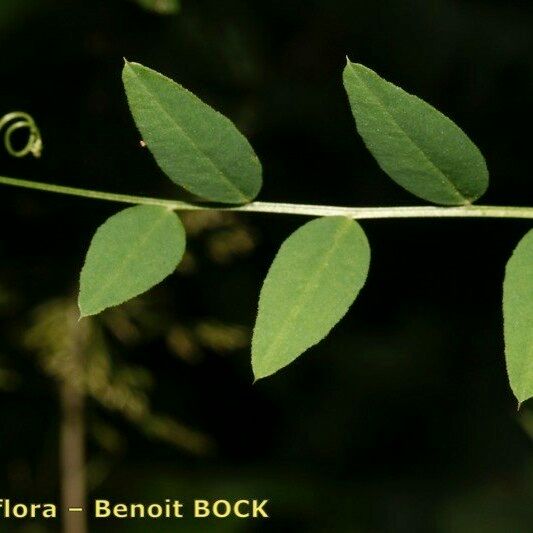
(162, 7)
(8, 379)
(58, 337)
(526, 421)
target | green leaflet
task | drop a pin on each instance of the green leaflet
(130, 253)
(518, 318)
(197, 147)
(315, 277)
(417, 146)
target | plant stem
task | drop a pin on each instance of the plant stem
(359, 213)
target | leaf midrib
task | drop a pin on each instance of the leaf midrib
(444, 177)
(219, 172)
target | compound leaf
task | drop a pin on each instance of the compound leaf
(197, 147)
(315, 277)
(518, 318)
(417, 146)
(130, 253)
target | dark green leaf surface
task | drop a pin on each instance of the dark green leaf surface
(315, 277)
(518, 318)
(197, 147)
(417, 146)
(130, 253)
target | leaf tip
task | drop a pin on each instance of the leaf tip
(354, 69)
(129, 66)
(85, 307)
(257, 374)
(126, 70)
(260, 370)
(83, 313)
(348, 65)
(521, 398)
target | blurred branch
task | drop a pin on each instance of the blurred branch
(161, 7)
(72, 452)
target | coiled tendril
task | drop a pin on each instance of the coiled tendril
(18, 120)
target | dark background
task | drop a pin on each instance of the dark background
(402, 419)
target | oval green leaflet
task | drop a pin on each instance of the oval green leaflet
(315, 277)
(130, 253)
(417, 146)
(518, 318)
(195, 146)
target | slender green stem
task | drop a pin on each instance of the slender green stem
(359, 213)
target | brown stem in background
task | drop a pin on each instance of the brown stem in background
(72, 454)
